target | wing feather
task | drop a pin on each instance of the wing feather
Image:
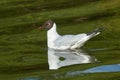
(68, 40)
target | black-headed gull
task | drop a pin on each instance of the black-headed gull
(56, 41)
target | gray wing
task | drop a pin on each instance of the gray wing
(68, 40)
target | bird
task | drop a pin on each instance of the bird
(63, 42)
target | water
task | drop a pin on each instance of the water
(61, 58)
(99, 49)
(98, 69)
(23, 49)
(30, 78)
(104, 68)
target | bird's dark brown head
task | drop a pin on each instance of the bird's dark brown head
(47, 25)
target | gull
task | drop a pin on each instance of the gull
(63, 42)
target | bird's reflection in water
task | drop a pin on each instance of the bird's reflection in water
(60, 58)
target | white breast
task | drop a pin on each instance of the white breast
(52, 35)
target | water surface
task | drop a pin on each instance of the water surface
(98, 69)
(23, 48)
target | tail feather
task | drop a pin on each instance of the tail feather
(95, 32)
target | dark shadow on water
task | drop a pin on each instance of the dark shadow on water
(19, 29)
(24, 69)
(3, 49)
(8, 42)
(45, 6)
(36, 42)
(25, 28)
(82, 19)
(100, 49)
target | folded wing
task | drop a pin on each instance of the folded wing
(68, 40)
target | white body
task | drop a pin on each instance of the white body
(55, 41)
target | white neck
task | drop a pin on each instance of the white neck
(52, 35)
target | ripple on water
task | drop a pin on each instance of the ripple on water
(99, 49)
(104, 68)
(30, 78)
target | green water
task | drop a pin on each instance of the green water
(23, 48)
